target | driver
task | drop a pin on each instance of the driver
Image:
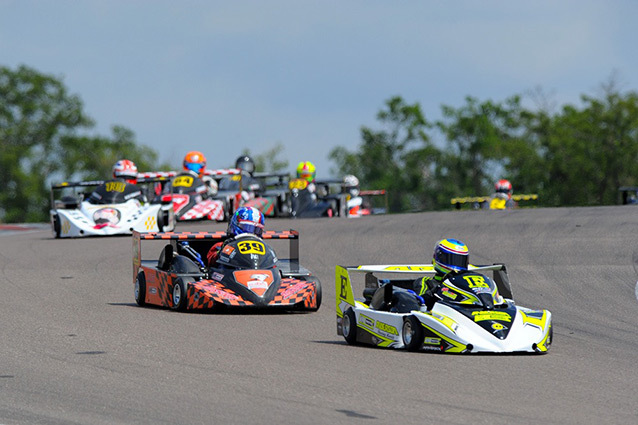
(247, 221)
(450, 256)
(503, 195)
(126, 170)
(195, 166)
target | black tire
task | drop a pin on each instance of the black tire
(56, 225)
(349, 326)
(140, 289)
(318, 292)
(179, 295)
(413, 335)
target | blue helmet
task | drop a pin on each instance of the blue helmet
(246, 220)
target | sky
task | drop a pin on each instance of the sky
(224, 76)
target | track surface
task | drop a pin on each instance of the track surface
(76, 349)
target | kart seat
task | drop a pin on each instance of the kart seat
(165, 258)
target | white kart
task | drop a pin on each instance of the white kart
(112, 208)
(470, 313)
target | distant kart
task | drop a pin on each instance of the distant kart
(362, 205)
(190, 195)
(472, 313)
(248, 273)
(491, 202)
(112, 208)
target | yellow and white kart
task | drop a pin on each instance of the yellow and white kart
(467, 314)
(112, 208)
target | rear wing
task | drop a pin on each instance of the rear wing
(501, 278)
(414, 268)
(202, 241)
(221, 172)
(95, 183)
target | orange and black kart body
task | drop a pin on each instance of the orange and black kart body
(247, 273)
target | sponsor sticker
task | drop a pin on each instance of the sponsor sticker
(289, 292)
(491, 315)
(387, 328)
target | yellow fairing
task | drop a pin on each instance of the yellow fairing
(343, 288)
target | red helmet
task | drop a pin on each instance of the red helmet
(195, 161)
(125, 169)
(503, 186)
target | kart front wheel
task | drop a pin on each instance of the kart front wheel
(179, 295)
(349, 327)
(140, 289)
(412, 333)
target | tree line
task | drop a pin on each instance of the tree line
(578, 155)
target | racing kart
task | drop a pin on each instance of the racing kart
(112, 208)
(470, 312)
(492, 202)
(191, 196)
(247, 273)
(363, 204)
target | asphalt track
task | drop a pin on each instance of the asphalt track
(75, 349)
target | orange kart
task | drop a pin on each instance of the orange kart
(247, 273)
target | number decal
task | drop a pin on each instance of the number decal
(115, 186)
(476, 281)
(184, 181)
(299, 184)
(251, 247)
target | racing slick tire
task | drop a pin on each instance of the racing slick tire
(179, 295)
(140, 289)
(318, 296)
(413, 335)
(349, 326)
(56, 225)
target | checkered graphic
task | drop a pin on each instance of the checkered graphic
(294, 291)
(206, 293)
(166, 174)
(210, 209)
(165, 287)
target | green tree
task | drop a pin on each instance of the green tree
(478, 135)
(42, 138)
(398, 158)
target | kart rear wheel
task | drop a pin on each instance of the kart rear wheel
(349, 326)
(179, 295)
(412, 333)
(56, 225)
(140, 289)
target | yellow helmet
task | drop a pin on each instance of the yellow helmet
(306, 170)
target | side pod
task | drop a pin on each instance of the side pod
(345, 297)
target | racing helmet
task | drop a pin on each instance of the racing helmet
(126, 170)
(246, 220)
(306, 170)
(195, 162)
(503, 187)
(245, 163)
(450, 255)
(351, 184)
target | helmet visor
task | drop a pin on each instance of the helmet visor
(452, 260)
(251, 227)
(193, 166)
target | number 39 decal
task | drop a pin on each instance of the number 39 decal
(251, 247)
